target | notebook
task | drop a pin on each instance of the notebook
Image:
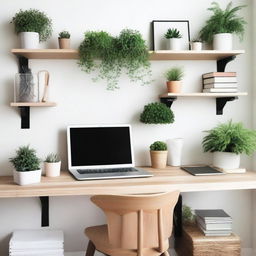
(201, 170)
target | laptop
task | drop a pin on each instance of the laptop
(102, 152)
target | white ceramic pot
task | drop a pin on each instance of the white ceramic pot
(174, 44)
(222, 42)
(174, 151)
(226, 160)
(25, 178)
(29, 40)
(52, 169)
(196, 46)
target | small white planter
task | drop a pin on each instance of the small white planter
(196, 46)
(174, 151)
(29, 40)
(222, 42)
(226, 160)
(52, 169)
(174, 44)
(25, 178)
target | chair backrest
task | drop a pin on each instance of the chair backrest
(139, 221)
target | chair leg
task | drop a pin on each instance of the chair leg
(90, 249)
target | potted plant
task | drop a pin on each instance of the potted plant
(196, 44)
(158, 154)
(227, 141)
(174, 39)
(174, 77)
(221, 25)
(188, 217)
(27, 166)
(157, 113)
(52, 165)
(64, 40)
(32, 26)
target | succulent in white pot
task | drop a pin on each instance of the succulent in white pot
(52, 165)
(27, 166)
(228, 141)
(173, 37)
(196, 44)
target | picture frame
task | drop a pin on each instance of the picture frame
(159, 29)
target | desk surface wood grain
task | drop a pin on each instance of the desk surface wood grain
(168, 179)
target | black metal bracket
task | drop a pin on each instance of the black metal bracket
(168, 101)
(25, 117)
(44, 211)
(221, 102)
(221, 64)
(178, 218)
(23, 65)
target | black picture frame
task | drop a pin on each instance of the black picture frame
(153, 23)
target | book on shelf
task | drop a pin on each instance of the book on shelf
(231, 79)
(213, 214)
(215, 232)
(227, 225)
(220, 90)
(221, 85)
(219, 74)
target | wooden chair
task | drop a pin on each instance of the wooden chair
(138, 225)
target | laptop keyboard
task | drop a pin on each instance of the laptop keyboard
(114, 170)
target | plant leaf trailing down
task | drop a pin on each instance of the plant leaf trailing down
(126, 52)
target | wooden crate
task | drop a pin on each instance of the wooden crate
(194, 243)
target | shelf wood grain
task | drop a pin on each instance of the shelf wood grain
(33, 104)
(170, 178)
(202, 94)
(156, 55)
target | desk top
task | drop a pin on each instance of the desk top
(170, 178)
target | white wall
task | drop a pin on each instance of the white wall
(81, 101)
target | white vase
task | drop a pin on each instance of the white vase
(174, 151)
(25, 178)
(222, 42)
(174, 44)
(29, 40)
(196, 46)
(52, 169)
(226, 160)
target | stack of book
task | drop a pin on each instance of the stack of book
(37, 243)
(214, 222)
(220, 82)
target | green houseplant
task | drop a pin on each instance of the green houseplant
(127, 52)
(187, 215)
(27, 166)
(227, 141)
(52, 165)
(64, 40)
(157, 113)
(221, 25)
(158, 154)
(173, 37)
(174, 77)
(33, 26)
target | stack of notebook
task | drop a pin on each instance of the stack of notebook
(214, 222)
(220, 82)
(37, 243)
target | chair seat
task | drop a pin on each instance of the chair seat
(99, 237)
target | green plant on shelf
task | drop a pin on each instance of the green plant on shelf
(187, 215)
(52, 158)
(158, 146)
(33, 20)
(64, 34)
(157, 113)
(174, 74)
(223, 21)
(173, 33)
(230, 137)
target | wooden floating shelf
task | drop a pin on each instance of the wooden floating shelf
(33, 104)
(201, 94)
(154, 55)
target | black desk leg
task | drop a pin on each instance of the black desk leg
(45, 211)
(178, 218)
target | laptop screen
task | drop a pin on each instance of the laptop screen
(99, 146)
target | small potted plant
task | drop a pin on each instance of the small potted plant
(52, 165)
(174, 77)
(158, 154)
(227, 141)
(188, 217)
(32, 26)
(221, 25)
(174, 39)
(27, 166)
(64, 40)
(157, 113)
(196, 44)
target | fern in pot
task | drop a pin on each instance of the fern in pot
(173, 37)
(228, 141)
(221, 25)
(27, 166)
(52, 165)
(174, 79)
(158, 154)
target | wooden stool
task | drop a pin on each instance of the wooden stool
(194, 243)
(136, 225)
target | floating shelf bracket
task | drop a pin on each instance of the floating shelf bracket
(44, 211)
(168, 101)
(221, 64)
(25, 117)
(221, 102)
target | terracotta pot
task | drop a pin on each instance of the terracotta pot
(64, 43)
(52, 169)
(174, 86)
(158, 159)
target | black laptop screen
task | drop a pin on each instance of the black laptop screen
(92, 146)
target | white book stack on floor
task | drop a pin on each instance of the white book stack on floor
(42, 242)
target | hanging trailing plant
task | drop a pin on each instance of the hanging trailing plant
(115, 54)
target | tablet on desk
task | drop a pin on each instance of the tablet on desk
(201, 170)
